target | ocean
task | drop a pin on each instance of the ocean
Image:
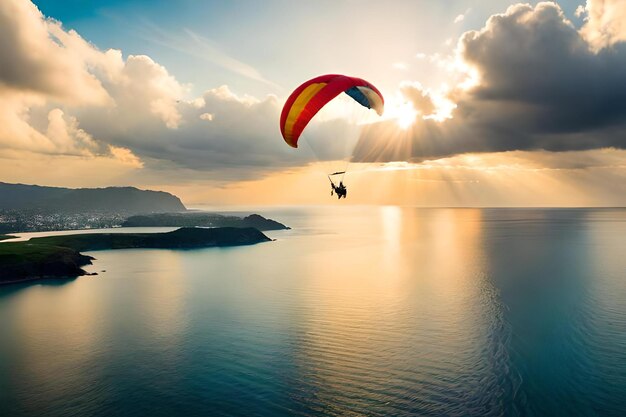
(356, 311)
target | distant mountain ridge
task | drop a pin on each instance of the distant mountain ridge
(110, 199)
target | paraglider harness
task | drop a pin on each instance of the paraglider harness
(340, 189)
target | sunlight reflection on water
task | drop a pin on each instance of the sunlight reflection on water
(356, 311)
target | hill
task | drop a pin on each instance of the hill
(111, 199)
(201, 219)
(21, 261)
(184, 238)
(59, 256)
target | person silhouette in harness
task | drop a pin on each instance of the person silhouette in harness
(340, 190)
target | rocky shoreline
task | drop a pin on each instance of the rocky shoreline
(19, 262)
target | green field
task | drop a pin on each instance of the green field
(25, 261)
(25, 251)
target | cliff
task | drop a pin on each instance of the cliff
(21, 261)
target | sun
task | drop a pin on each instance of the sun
(405, 115)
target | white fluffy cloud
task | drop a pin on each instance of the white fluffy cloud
(38, 57)
(66, 136)
(62, 95)
(605, 22)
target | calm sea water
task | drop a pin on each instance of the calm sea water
(356, 311)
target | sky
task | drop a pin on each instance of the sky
(487, 103)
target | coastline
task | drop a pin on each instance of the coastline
(60, 256)
(45, 277)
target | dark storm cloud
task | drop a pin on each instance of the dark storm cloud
(541, 86)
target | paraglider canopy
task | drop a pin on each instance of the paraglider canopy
(306, 100)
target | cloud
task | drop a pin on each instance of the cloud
(35, 59)
(143, 93)
(527, 81)
(63, 96)
(52, 81)
(539, 84)
(461, 17)
(420, 98)
(400, 66)
(125, 156)
(605, 22)
(220, 134)
(66, 136)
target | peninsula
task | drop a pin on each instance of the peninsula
(59, 256)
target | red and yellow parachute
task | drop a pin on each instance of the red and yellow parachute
(304, 103)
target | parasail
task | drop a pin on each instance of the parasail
(304, 103)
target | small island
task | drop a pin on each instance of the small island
(202, 219)
(59, 256)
